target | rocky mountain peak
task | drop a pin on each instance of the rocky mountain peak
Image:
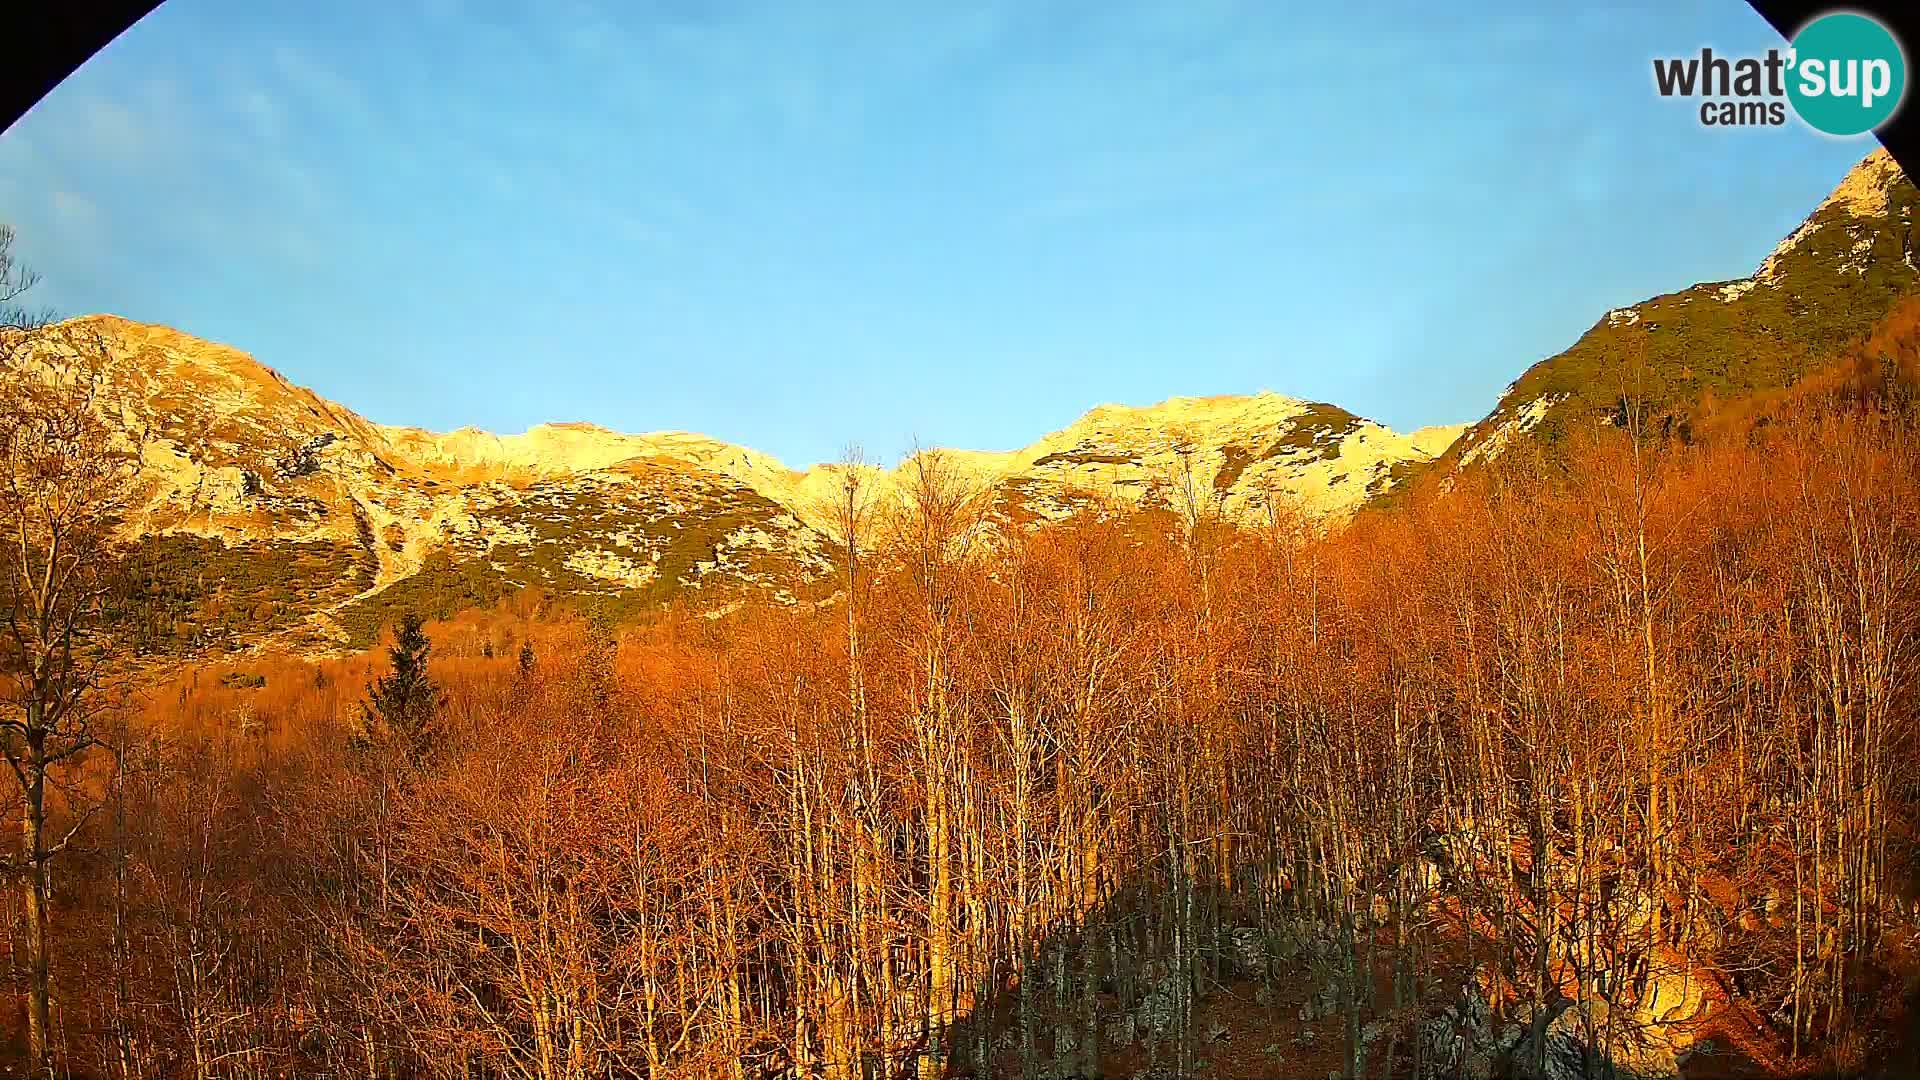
(1868, 191)
(1865, 190)
(1824, 284)
(267, 479)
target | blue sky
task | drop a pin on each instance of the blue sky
(795, 225)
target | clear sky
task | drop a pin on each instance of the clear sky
(799, 224)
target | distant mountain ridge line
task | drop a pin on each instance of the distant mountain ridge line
(553, 443)
(372, 518)
(256, 474)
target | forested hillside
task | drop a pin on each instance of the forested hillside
(1601, 759)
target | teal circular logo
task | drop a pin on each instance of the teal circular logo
(1848, 74)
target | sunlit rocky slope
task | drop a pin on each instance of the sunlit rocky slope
(276, 512)
(1823, 285)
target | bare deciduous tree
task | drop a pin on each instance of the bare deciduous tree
(64, 483)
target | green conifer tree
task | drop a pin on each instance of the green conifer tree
(404, 702)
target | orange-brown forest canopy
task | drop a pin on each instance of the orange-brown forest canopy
(1603, 756)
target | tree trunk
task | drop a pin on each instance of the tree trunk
(34, 894)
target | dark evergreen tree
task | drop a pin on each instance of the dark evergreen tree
(404, 702)
(597, 662)
(526, 658)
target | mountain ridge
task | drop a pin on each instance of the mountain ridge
(247, 472)
(1822, 286)
(582, 445)
(319, 524)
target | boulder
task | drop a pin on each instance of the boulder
(1158, 1012)
(1647, 1039)
(1374, 1041)
(1461, 1041)
(1245, 950)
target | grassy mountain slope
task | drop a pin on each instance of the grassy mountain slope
(1826, 284)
